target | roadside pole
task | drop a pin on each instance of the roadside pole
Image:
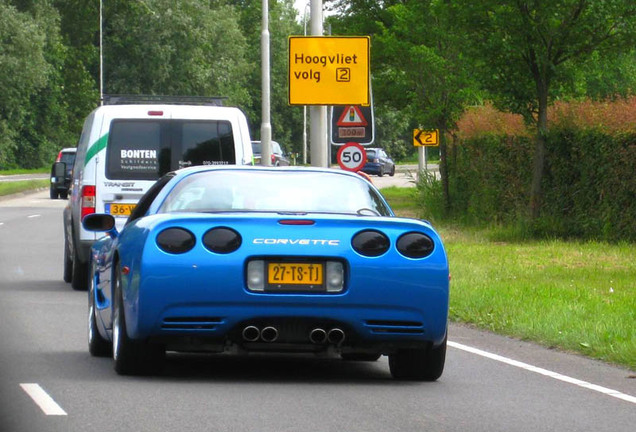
(318, 113)
(421, 161)
(423, 138)
(266, 126)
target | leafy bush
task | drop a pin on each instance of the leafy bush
(589, 185)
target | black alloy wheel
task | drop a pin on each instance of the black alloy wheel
(419, 364)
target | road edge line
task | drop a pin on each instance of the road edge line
(545, 372)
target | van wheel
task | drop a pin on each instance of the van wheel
(64, 195)
(68, 263)
(80, 273)
(53, 192)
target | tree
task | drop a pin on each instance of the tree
(418, 65)
(23, 71)
(286, 121)
(526, 49)
(189, 47)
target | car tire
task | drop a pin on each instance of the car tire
(131, 357)
(79, 281)
(97, 345)
(381, 173)
(392, 171)
(68, 263)
(368, 357)
(64, 195)
(53, 193)
(420, 364)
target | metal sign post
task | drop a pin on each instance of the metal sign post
(423, 138)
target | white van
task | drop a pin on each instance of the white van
(125, 148)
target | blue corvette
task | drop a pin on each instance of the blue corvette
(255, 259)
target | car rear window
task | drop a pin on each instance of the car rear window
(68, 158)
(370, 154)
(147, 149)
(234, 190)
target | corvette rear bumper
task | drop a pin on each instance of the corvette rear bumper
(365, 327)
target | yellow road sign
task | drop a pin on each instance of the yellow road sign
(329, 70)
(425, 138)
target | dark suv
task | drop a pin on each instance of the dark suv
(62, 173)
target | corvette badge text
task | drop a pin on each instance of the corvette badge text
(302, 242)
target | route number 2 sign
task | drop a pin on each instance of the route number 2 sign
(426, 138)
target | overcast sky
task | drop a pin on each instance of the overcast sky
(300, 7)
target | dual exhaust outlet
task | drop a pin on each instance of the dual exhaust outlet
(317, 336)
(333, 336)
(253, 333)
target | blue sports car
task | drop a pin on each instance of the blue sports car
(258, 259)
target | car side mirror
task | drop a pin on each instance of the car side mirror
(59, 169)
(100, 222)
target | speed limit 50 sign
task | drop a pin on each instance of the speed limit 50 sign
(352, 156)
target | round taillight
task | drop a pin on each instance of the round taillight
(175, 240)
(370, 243)
(415, 245)
(222, 240)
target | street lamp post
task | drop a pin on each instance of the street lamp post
(318, 114)
(266, 126)
(305, 106)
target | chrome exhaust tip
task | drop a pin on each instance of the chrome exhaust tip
(251, 333)
(318, 336)
(336, 336)
(269, 334)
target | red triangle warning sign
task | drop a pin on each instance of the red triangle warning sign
(351, 116)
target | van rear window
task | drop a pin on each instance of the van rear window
(147, 149)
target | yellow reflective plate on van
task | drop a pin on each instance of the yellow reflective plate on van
(120, 209)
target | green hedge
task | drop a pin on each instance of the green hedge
(589, 184)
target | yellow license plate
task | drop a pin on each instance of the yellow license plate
(287, 273)
(121, 209)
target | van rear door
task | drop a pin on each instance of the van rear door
(140, 150)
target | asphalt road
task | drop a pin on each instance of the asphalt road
(48, 381)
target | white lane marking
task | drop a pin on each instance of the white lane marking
(34, 216)
(43, 400)
(1, 223)
(545, 372)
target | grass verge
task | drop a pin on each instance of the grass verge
(575, 296)
(25, 171)
(8, 188)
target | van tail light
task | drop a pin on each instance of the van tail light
(273, 159)
(88, 200)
